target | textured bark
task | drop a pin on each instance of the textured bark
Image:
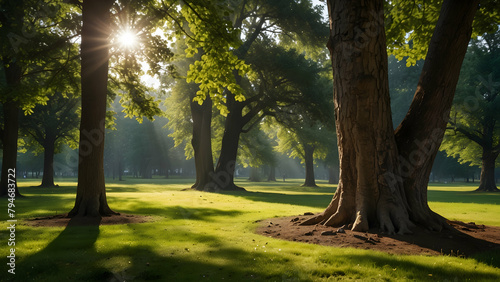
(420, 133)
(223, 178)
(377, 187)
(48, 162)
(202, 143)
(309, 164)
(91, 190)
(487, 181)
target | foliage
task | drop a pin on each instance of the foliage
(57, 122)
(37, 43)
(475, 119)
(409, 25)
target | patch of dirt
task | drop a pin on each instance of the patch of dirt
(63, 220)
(464, 240)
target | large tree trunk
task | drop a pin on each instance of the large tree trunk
(254, 174)
(309, 163)
(202, 143)
(376, 187)
(10, 134)
(420, 134)
(487, 181)
(91, 190)
(272, 173)
(48, 163)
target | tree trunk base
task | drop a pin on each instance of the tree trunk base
(487, 189)
(91, 208)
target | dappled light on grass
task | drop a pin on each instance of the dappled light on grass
(198, 235)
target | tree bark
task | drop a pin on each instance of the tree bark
(91, 191)
(309, 164)
(202, 143)
(223, 178)
(487, 181)
(48, 162)
(10, 135)
(421, 132)
(377, 187)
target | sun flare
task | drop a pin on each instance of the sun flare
(128, 39)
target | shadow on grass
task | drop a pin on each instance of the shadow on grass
(72, 243)
(173, 256)
(464, 197)
(308, 200)
(413, 269)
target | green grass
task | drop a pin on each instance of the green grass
(199, 236)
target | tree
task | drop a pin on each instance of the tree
(51, 126)
(91, 191)
(291, 20)
(35, 45)
(384, 173)
(473, 134)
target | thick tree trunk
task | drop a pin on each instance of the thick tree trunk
(487, 180)
(309, 163)
(377, 186)
(48, 163)
(420, 133)
(10, 134)
(91, 190)
(367, 148)
(254, 174)
(202, 143)
(272, 173)
(331, 175)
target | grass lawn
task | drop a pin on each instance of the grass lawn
(198, 236)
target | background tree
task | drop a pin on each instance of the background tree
(474, 127)
(51, 126)
(34, 45)
(262, 21)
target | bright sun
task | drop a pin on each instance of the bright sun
(128, 39)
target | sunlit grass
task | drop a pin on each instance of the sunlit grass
(208, 236)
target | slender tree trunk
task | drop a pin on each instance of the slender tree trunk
(309, 163)
(223, 178)
(377, 186)
(487, 180)
(91, 190)
(331, 175)
(202, 143)
(48, 163)
(10, 134)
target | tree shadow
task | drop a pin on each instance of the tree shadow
(464, 197)
(307, 200)
(76, 239)
(455, 242)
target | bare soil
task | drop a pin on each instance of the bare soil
(63, 220)
(464, 239)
